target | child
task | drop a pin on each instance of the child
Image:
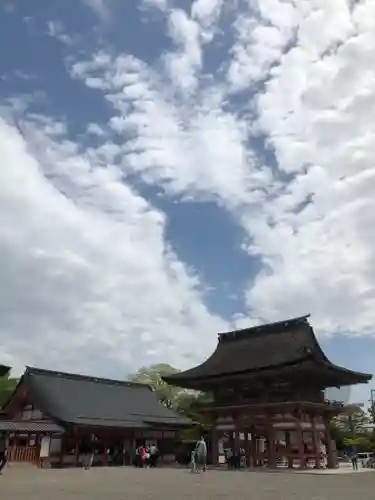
(193, 464)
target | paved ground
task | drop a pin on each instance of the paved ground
(174, 484)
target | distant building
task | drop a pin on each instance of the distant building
(50, 413)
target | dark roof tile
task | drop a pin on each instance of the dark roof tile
(260, 348)
(29, 426)
(83, 400)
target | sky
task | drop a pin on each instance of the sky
(172, 169)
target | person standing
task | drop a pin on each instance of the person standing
(143, 457)
(88, 450)
(193, 464)
(354, 459)
(201, 454)
(3, 450)
(154, 453)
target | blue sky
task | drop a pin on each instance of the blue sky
(173, 169)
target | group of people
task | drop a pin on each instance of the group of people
(146, 456)
(235, 458)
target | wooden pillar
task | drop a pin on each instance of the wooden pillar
(236, 439)
(331, 459)
(247, 447)
(133, 447)
(76, 451)
(250, 449)
(62, 451)
(214, 444)
(13, 448)
(316, 442)
(300, 439)
(301, 446)
(105, 454)
(38, 441)
(271, 452)
(288, 449)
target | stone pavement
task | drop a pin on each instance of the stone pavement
(174, 484)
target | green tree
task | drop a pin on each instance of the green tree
(352, 419)
(181, 400)
(7, 386)
(152, 375)
(189, 405)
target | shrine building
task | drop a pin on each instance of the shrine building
(268, 385)
(50, 413)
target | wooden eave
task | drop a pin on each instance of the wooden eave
(265, 352)
(326, 407)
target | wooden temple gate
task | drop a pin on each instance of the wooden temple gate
(267, 439)
(268, 383)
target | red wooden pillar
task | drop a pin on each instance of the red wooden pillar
(105, 454)
(38, 442)
(288, 449)
(76, 453)
(236, 440)
(316, 442)
(214, 442)
(62, 451)
(250, 445)
(247, 447)
(301, 446)
(13, 448)
(331, 462)
(271, 452)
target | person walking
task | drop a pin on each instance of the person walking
(3, 451)
(201, 454)
(354, 459)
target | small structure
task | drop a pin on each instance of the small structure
(268, 385)
(50, 413)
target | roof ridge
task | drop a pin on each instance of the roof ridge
(244, 333)
(88, 378)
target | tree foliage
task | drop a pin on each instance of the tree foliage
(180, 400)
(7, 386)
(349, 430)
(152, 376)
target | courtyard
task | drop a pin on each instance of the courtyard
(21, 483)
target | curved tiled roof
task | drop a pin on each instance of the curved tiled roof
(82, 400)
(285, 344)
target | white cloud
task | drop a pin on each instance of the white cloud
(102, 8)
(207, 13)
(309, 217)
(95, 129)
(190, 145)
(55, 29)
(312, 231)
(318, 112)
(184, 64)
(85, 269)
(160, 4)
